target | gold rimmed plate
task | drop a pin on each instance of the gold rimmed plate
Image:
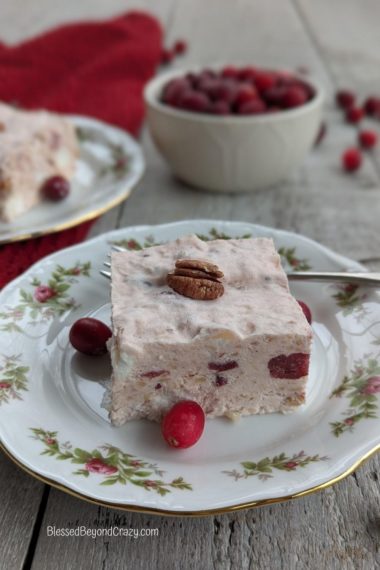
(109, 166)
(52, 422)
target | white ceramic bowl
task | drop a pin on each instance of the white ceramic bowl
(231, 153)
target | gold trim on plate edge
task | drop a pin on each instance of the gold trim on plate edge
(207, 512)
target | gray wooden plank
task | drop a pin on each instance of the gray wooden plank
(352, 58)
(337, 528)
(20, 497)
(319, 200)
(334, 529)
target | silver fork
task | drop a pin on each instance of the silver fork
(371, 279)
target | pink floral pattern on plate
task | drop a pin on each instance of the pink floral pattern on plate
(263, 468)
(361, 387)
(13, 379)
(111, 463)
(46, 300)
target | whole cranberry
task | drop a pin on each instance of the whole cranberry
(180, 47)
(224, 90)
(247, 74)
(294, 96)
(167, 56)
(220, 108)
(252, 107)
(89, 336)
(56, 188)
(351, 159)
(372, 106)
(230, 71)
(367, 139)
(306, 311)
(174, 90)
(265, 80)
(354, 114)
(274, 95)
(244, 93)
(183, 424)
(345, 98)
(194, 101)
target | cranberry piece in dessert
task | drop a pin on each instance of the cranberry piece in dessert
(153, 373)
(294, 97)
(367, 139)
(222, 366)
(345, 98)
(290, 367)
(306, 311)
(354, 115)
(351, 159)
(372, 106)
(180, 47)
(194, 101)
(253, 107)
(56, 188)
(220, 380)
(321, 134)
(183, 425)
(89, 336)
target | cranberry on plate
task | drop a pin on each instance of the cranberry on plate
(183, 424)
(90, 336)
(56, 188)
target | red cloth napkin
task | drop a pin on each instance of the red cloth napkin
(89, 68)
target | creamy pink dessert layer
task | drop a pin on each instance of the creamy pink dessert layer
(246, 352)
(33, 147)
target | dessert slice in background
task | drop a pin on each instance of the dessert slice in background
(223, 330)
(34, 146)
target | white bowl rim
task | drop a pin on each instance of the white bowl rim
(154, 87)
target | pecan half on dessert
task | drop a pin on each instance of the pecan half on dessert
(196, 278)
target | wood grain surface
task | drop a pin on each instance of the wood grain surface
(338, 528)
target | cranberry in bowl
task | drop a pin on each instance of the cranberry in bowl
(233, 128)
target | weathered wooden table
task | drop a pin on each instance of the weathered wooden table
(339, 42)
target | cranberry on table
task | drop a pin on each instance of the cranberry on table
(183, 424)
(372, 106)
(345, 98)
(180, 47)
(167, 55)
(306, 311)
(367, 138)
(354, 115)
(90, 336)
(351, 159)
(56, 188)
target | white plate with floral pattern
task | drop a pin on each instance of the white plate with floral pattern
(109, 165)
(52, 423)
